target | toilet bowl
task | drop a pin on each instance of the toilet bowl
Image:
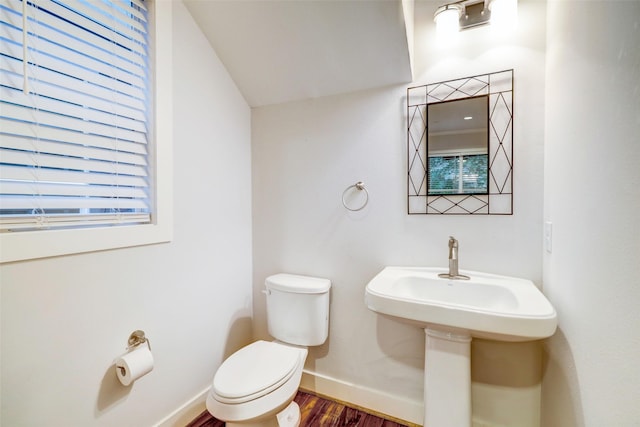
(256, 385)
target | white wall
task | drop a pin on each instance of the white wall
(592, 197)
(64, 320)
(306, 153)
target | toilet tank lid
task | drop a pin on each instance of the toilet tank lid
(299, 284)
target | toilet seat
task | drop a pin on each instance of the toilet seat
(254, 371)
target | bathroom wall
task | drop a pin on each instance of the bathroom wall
(592, 197)
(306, 153)
(64, 320)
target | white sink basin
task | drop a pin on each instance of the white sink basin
(486, 306)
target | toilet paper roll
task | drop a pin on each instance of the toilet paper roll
(133, 365)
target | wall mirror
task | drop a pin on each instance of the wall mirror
(460, 146)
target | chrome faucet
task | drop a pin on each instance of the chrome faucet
(453, 262)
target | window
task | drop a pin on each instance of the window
(80, 144)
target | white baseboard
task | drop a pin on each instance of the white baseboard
(187, 412)
(369, 399)
(363, 397)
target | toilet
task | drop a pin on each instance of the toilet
(256, 385)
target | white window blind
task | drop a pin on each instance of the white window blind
(74, 114)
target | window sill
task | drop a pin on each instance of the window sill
(21, 246)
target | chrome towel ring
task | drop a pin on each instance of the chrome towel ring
(360, 187)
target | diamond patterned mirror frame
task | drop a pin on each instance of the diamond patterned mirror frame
(499, 200)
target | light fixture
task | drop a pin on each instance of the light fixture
(504, 13)
(448, 19)
(463, 14)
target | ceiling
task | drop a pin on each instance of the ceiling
(286, 50)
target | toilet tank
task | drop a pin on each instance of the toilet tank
(298, 308)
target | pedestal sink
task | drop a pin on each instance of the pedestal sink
(452, 312)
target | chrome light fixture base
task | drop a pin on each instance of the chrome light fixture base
(471, 13)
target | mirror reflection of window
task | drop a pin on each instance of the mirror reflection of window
(460, 174)
(458, 141)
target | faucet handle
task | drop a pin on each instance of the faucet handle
(453, 243)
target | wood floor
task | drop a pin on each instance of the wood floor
(316, 412)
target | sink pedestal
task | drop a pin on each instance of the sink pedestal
(447, 379)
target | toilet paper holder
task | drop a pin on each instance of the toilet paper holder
(134, 363)
(137, 338)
